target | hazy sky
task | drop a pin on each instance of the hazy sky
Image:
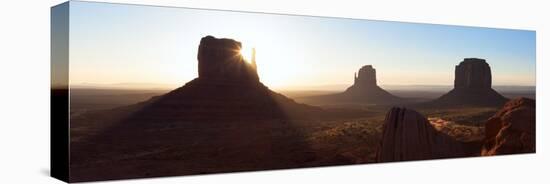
(112, 43)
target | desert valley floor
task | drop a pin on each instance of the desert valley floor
(242, 146)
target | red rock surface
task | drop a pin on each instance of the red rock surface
(407, 135)
(512, 129)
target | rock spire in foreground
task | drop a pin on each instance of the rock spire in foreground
(407, 135)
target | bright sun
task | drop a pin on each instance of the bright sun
(246, 52)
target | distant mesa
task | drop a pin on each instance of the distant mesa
(473, 73)
(364, 90)
(472, 86)
(512, 129)
(407, 135)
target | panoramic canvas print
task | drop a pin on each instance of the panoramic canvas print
(146, 91)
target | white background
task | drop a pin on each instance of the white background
(24, 91)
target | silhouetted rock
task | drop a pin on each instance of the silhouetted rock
(472, 86)
(512, 129)
(220, 59)
(364, 90)
(225, 120)
(408, 135)
(227, 88)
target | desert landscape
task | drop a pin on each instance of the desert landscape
(227, 120)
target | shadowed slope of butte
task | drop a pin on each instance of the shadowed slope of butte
(225, 120)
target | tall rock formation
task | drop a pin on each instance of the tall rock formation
(225, 120)
(227, 87)
(473, 73)
(472, 86)
(407, 135)
(512, 129)
(364, 91)
(366, 78)
(220, 59)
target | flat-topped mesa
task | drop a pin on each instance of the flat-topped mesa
(472, 86)
(366, 77)
(473, 73)
(220, 59)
